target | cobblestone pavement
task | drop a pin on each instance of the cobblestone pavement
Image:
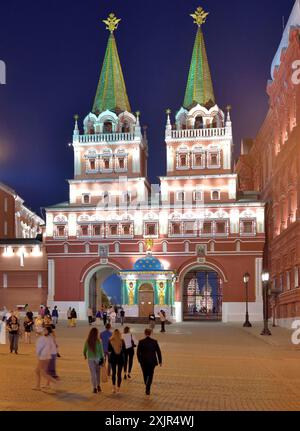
(206, 366)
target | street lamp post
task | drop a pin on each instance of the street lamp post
(246, 279)
(265, 279)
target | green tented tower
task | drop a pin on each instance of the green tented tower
(111, 92)
(199, 89)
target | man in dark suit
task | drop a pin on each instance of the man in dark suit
(149, 356)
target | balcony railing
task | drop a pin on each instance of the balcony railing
(106, 137)
(198, 133)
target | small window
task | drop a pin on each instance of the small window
(199, 123)
(92, 164)
(180, 196)
(61, 231)
(207, 228)
(198, 196)
(106, 163)
(198, 160)
(214, 160)
(107, 127)
(86, 199)
(215, 195)
(221, 228)
(125, 128)
(248, 227)
(84, 230)
(113, 229)
(190, 228)
(126, 229)
(183, 161)
(150, 229)
(176, 228)
(121, 163)
(97, 230)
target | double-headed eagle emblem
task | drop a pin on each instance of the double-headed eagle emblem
(112, 22)
(199, 16)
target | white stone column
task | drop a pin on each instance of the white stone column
(51, 279)
(258, 281)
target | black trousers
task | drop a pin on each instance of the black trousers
(148, 372)
(116, 368)
(162, 326)
(90, 320)
(129, 354)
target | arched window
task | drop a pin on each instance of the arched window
(125, 127)
(199, 124)
(107, 127)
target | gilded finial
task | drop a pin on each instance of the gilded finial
(168, 111)
(76, 117)
(228, 108)
(149, 245)
(199, 16)
(138, 113)
(112, 22)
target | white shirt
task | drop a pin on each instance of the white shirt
(44, 348)
(128, 340)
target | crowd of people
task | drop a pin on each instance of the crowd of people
(110, 353)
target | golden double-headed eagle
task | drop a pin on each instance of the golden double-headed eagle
(200, 16)
(112, 22)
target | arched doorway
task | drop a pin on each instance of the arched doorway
(103, 287)
(146, 300)
(202, 295)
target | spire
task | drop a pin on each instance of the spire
(111, 92)
(199, 87)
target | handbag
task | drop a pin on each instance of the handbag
(104, 376)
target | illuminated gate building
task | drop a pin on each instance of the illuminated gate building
(182, 246)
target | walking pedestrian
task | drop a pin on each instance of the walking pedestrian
(105, 337)
(69, 316)
(28, 327)
(116, 348)
(104, 317)
(163, 318)
(54, 315)
(149, 356)
(93, 352)
(54, 354)
(13, 334)
(112, 316)
(98, 317)
(29, 314)
(47, 312)
(73, 317)
(43, 351)
(90, 315)
(130, 344)
(122, 316)
(39, 325)
(152, 321)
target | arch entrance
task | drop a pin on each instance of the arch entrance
(202, 295)
(103, 287)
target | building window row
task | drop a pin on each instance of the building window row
(201, 159)
(106, 163)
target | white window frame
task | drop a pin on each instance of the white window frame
(210, 153)
(180, 200)
(201, 153)
(195, 194)
(254, 224)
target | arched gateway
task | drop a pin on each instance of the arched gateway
(202, 295)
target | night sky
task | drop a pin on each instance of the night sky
(54, 52)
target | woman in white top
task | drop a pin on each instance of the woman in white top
(130, 344)
(3, 331)
(44, 348)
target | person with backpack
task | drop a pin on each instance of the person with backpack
(93, 352)
(130, 344)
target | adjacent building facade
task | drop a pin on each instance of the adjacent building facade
(270, 164)
(183, 245)
(23, 261)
